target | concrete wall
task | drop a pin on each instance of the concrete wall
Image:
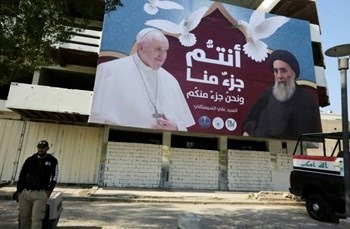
(52, 99)
(141, 165)
(249, 170)
(194, 169)
(253, 171)
(85, 159)
(132, 165)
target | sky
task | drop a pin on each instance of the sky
(334, 17)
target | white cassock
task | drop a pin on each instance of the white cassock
(126, 94)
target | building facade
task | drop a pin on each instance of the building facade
(56, 107)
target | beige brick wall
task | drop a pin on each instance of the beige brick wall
(132, 165)
(139, 165)
(249, 170)
(258, 171)
(194, 169)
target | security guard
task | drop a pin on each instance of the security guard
(37, 179)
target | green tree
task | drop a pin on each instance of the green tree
(30, 28)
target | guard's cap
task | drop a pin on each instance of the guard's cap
(42, 144)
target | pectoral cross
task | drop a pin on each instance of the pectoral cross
(156, 113)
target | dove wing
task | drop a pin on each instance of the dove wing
(165, 25)
(256, 18)
(267, 27)
(195, 18)
(169, 5)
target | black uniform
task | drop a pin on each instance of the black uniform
(38, 173)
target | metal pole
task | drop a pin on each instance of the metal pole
(16, 164)
(343, 66)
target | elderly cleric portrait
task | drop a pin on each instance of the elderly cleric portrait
(136, 91)
(286, 109)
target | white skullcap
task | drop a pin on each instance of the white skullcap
(143, 33)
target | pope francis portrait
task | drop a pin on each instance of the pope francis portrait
(136, 91)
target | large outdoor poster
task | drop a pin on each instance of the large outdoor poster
(213, 68)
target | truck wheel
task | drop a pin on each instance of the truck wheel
(318, 208)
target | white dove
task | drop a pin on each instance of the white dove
(259, 28)
(152, 6)
(188, 24)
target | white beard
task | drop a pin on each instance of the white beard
(283, 90)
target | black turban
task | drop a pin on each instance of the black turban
(287, 57)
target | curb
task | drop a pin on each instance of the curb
(189, 201)
(181, 200)
(261, 198)
(184, 201)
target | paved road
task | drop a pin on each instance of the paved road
(108, 215)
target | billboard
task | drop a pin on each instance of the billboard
(220, 73)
